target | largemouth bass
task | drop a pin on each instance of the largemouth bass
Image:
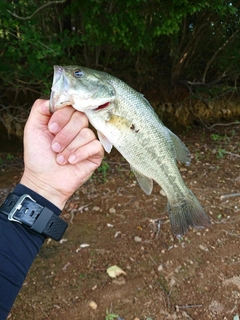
(124, 119)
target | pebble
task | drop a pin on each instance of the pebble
(204, 248)
(172, 282)
(110, 225)
(84, 245)
(93, 305)
(137, 239)
(63, 240)
(160, 268)
(112, 210)
(119, 281)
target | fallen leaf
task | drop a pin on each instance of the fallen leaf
(115, 271)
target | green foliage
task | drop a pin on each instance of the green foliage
(103, 169)
(180, 40)
(220, 153)
(217, 137)
(4, 161)
(10, 156)
(111, 316)
(82, 276)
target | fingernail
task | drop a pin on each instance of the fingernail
(53, 127)
(60, 159)
(72, 159)
(56, 147)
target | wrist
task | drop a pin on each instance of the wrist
(21, 189)
(45, 190)
(26, 208)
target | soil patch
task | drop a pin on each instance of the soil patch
(196, 277)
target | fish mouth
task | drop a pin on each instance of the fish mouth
(58, 101)
(51, 103)
(102, 106)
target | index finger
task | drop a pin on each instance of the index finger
(39, 115)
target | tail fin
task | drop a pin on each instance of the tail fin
(188, 213)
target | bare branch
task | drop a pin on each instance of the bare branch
(216, 53)
(223, 125)
(36, 11)
(232, 154)
(231, 195)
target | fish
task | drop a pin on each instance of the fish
(124, 119)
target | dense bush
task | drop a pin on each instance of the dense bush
(157, 42)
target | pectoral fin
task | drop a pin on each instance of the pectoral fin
(145, 183)
(105, 142)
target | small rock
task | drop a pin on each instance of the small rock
(110, 225)
(172, 282)
(119, 281)
(63, 240)
(216, 307)
(117, 234)
(204, 248)
(112, 210)
(93, 305)
(235, 280)
(183, 169)
(160, 268)
(84, 245)
(137, 239)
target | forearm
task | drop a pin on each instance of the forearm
(54, 173)
(18, 249)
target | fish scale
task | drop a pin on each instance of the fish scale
(125, 119)
(145, 147)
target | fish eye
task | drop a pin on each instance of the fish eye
(78, 73)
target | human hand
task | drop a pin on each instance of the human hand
(60, 152)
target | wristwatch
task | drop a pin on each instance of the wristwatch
(26, 211)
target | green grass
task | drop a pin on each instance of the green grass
(104, 170)
(110, 315)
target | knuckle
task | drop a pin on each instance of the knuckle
(87, 134)
(81, 118)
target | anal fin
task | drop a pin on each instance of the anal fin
(145, 183)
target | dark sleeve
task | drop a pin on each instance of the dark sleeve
(18, 249)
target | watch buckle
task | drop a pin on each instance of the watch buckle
(17, 207)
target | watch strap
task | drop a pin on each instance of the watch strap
(26, 211)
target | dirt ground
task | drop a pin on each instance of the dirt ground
(112, 222)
